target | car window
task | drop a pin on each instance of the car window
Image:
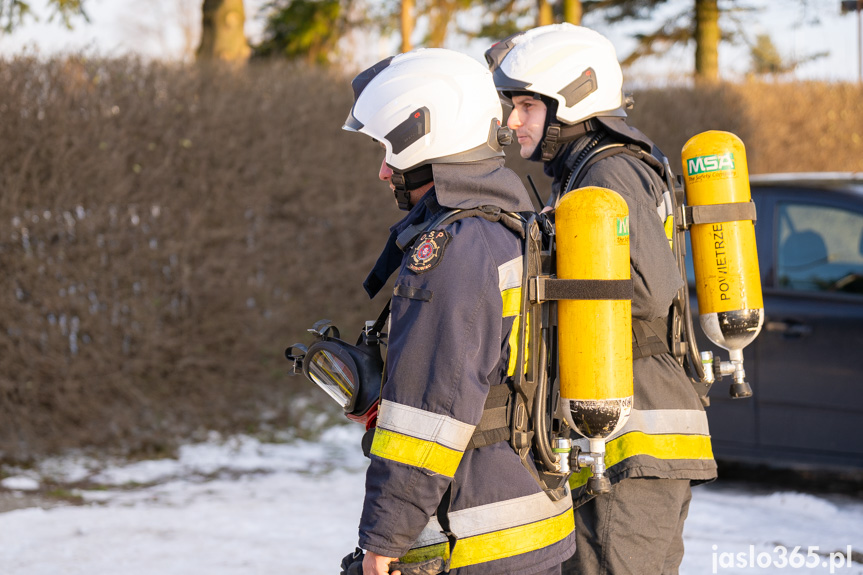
(820, 248)
(690, 266)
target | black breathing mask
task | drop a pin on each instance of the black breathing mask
(350, 374)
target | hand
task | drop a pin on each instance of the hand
(374, 564)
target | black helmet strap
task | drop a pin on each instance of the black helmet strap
(557, 134)
(404, 182)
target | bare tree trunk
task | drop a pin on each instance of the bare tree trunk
(544, 15)
(572, 11)
(442, 12)
(707, 35)
(407, 24)
(222, 34)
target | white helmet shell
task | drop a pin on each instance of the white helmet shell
(574, 65)
(428, 106)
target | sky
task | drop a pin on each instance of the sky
(169, 29)
(237, 506)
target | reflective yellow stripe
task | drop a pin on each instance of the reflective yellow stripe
(671, 446)
(511, 301)
(510, 292)
(579, 479)
(425, 553)
(416, 452)
(499, 544)
(513, 345)
(512, 307)
(669, 230)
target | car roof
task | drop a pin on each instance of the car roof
(849, 182)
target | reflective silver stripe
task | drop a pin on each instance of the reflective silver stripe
(495, 517)
(509, 274)
(664, 209)
(506, 514)
(424, 425)
(431, 535)
(662, 422)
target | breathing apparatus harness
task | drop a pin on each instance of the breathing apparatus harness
(673, 334)
(524, 410)
(535, 423)
(536, 414)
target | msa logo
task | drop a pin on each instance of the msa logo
(622, 226)
(712, 163)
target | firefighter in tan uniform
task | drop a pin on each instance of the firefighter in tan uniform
(564, 83)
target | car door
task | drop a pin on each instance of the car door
(809, 356)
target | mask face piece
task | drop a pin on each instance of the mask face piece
(334, 371)
(350, 374)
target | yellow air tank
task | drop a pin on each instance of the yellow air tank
(727, 280)
(595, 335)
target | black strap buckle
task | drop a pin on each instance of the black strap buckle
(549, 142)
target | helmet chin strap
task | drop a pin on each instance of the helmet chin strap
(557, 135)
(404, 182)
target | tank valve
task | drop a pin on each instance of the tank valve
(598, 483)
(740, 388)
(713, 370)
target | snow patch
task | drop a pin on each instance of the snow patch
(20, 483)
(232, 506)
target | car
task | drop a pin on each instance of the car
(806, 365)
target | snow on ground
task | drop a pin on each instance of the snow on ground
(237, 506)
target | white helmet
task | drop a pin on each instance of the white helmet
(428, 106)
(573, 65)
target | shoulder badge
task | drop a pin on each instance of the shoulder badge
(428, 250)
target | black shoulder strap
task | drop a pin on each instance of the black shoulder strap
(514, 222)
(606, 151)
(407, 237)
(494, 425)
(649, 337)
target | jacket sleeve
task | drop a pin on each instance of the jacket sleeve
(655, 275)
(444, 343)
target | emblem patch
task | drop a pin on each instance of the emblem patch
(428, 250)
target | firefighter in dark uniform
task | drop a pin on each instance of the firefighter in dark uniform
(564, 83)
(431, 499)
